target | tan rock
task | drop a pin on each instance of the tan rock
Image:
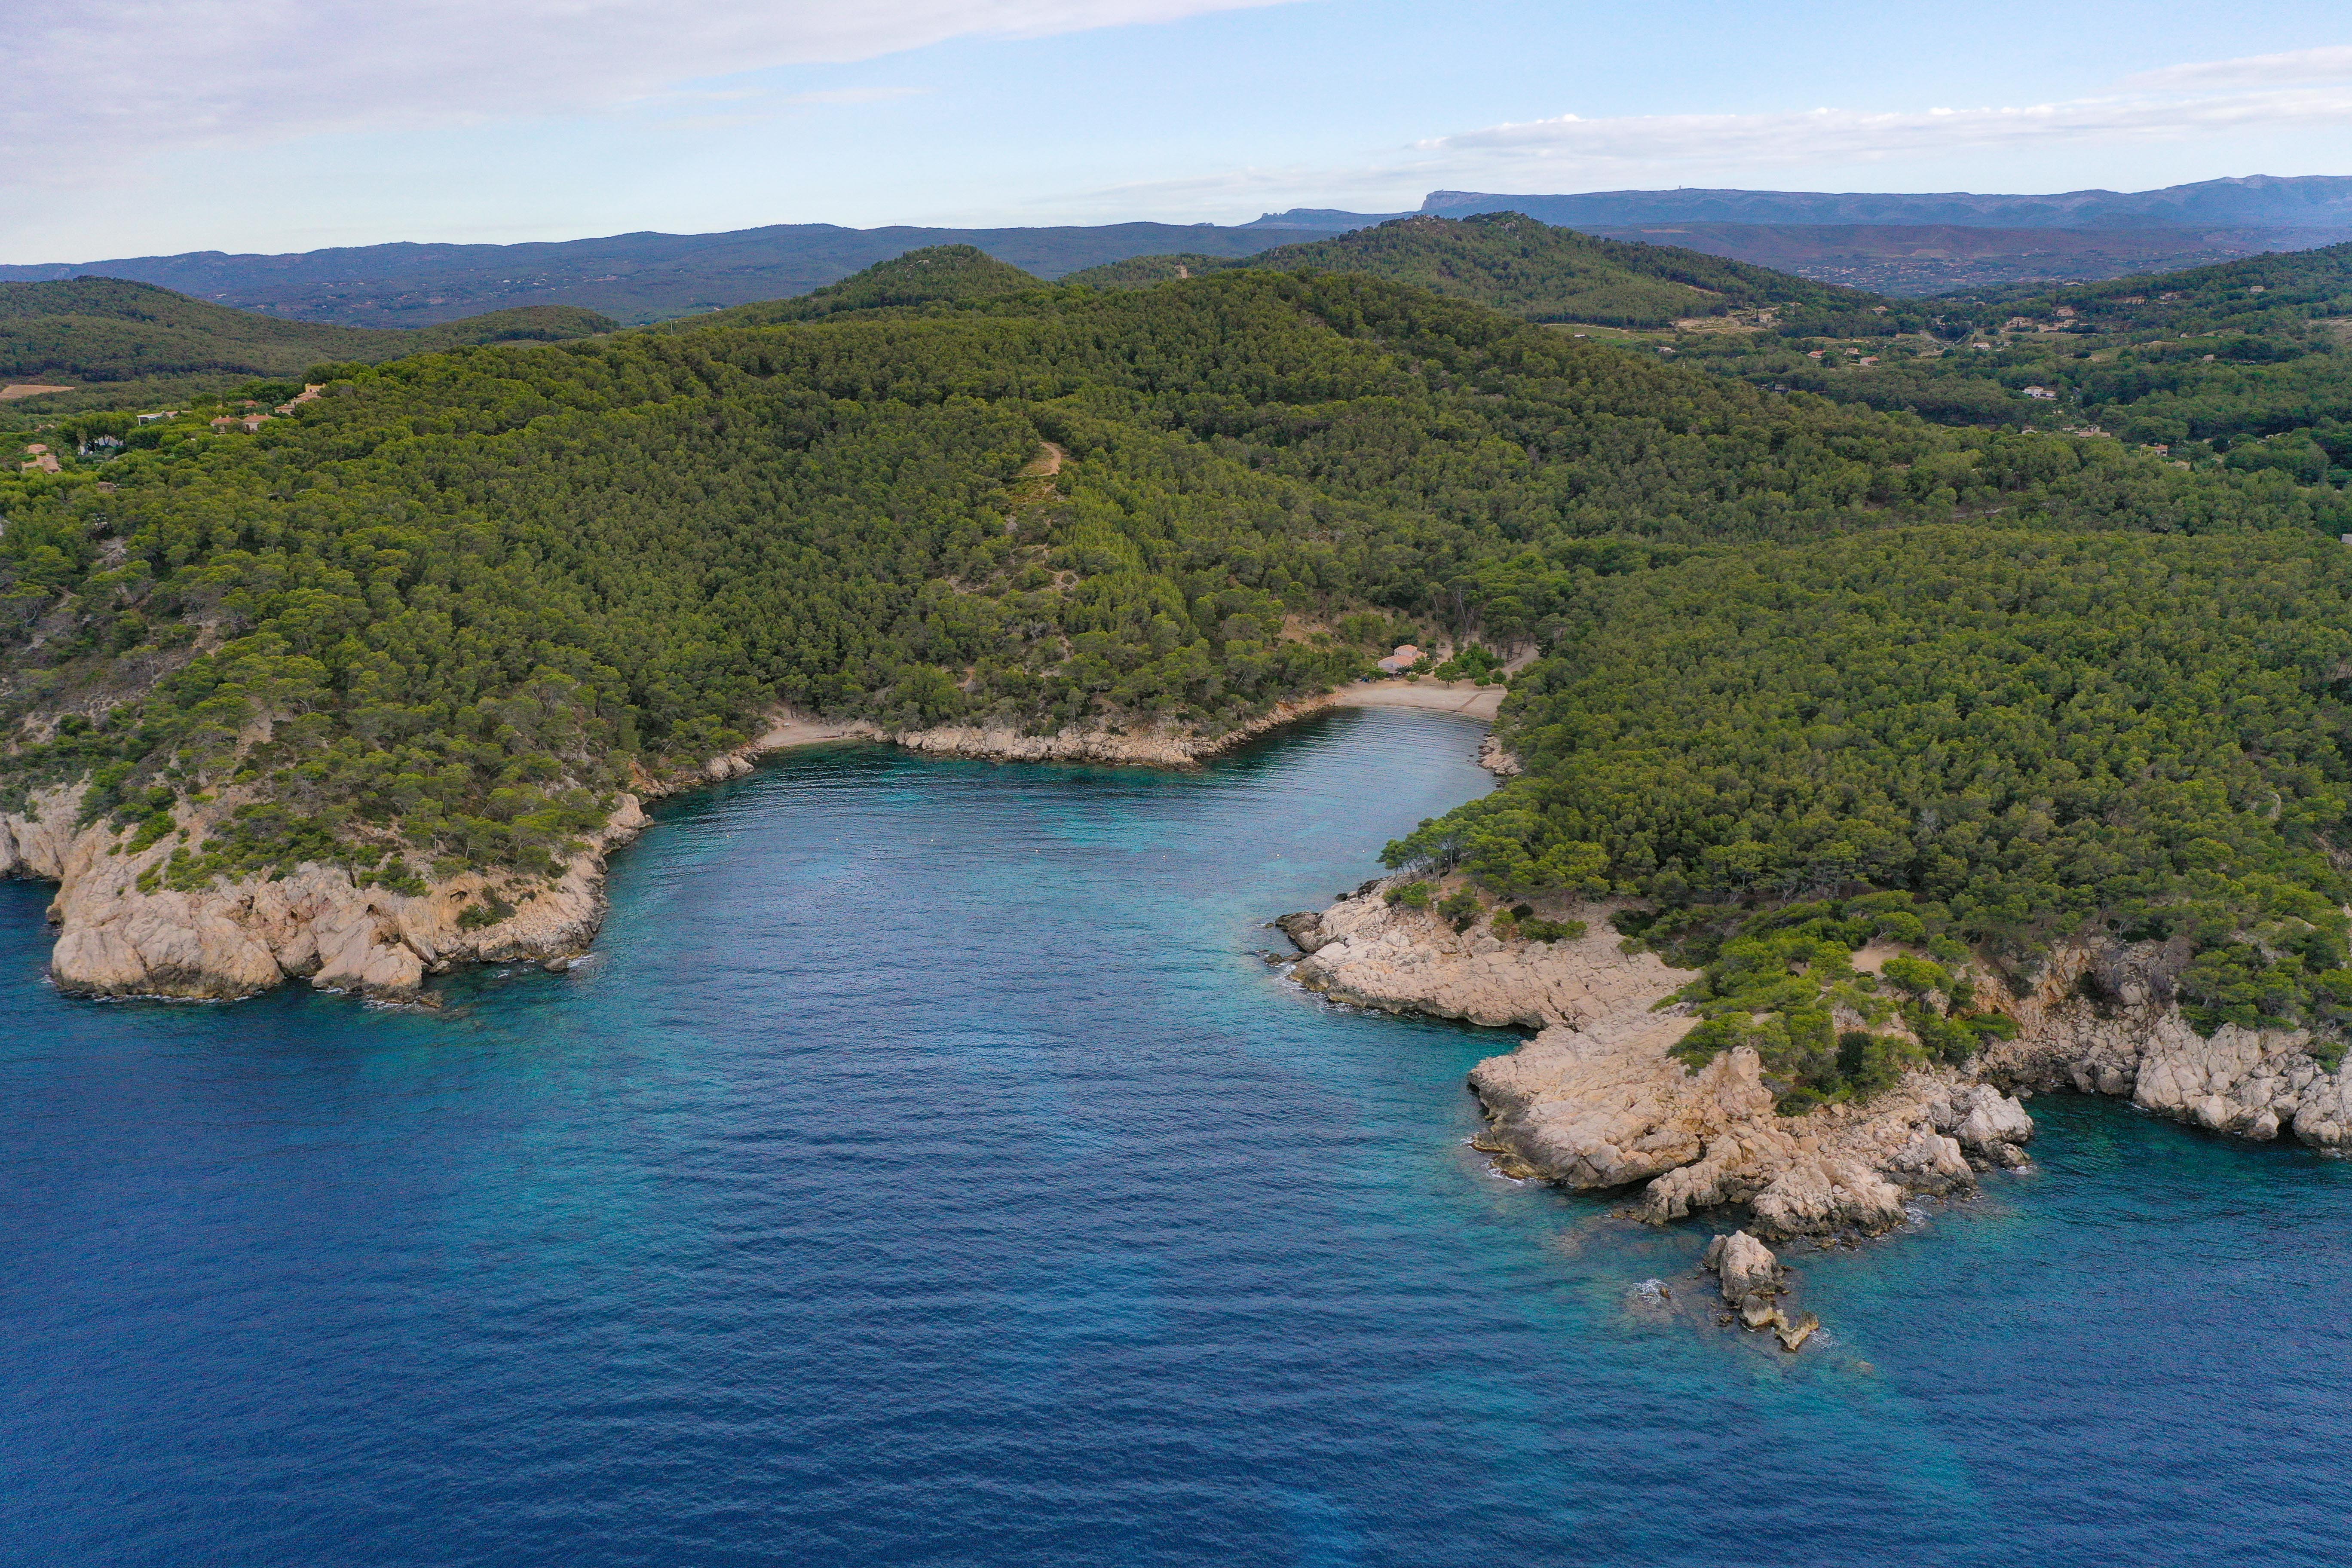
(2131, 1041)
(1380, 956)
(1751, 1283)
(1596, 1098)
(1827, 1194)
(1745, 1266)
(236, 939)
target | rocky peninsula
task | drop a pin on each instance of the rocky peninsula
(1595, 1100)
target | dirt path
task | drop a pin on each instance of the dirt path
(1034, 484)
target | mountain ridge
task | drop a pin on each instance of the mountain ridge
(2249, 201)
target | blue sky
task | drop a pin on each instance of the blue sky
(289, 124)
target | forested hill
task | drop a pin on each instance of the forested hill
(1529, 269)
(2247, 363)
(107, 330)
(435, 617)
(940, 274)
(2257, 293)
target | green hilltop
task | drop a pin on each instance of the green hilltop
(938, 274)
(1512, 263)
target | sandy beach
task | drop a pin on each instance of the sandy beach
(1462, 697)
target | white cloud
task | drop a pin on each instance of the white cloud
(2330, 63)
(1600, 149)
(93, 81)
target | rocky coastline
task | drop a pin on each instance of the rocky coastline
(319, 924)
(1593, 1099)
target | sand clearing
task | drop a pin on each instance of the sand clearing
(788, 729)
(28, 389)
(1450, 696)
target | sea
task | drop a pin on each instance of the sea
(928, 1168)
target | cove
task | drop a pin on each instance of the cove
(927, 1170)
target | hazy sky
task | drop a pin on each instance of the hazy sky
(138, 126)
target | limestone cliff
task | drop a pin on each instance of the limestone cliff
(2103, 1021)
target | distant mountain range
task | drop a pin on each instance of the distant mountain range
(1895, 243)
(633, 278)
(2256, 201)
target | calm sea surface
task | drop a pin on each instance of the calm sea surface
(928, 1171)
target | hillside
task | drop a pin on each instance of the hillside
(2246, 364)
(107, 330)
(1918, 259)
(1532, 271)
(420, 633)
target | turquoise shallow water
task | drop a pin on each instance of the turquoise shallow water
(927, 1170)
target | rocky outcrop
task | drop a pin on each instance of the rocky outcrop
(1304, 929)
(2103, 1021)
(1596, 1099)
(1752, 1286)
(1497, 759)
(234, 939)
(1375, 954)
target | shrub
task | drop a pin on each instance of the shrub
(1538, 929)
(1412, 895)
(1461, 906)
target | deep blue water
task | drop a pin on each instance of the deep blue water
(927, 1170)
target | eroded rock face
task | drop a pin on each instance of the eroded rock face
(1596, 1099)
(1379, 955)
(1304, 929)
(1748, 1273)
(2129, 1041)
(1498, 759)
(236, 939)
(1161, 746)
